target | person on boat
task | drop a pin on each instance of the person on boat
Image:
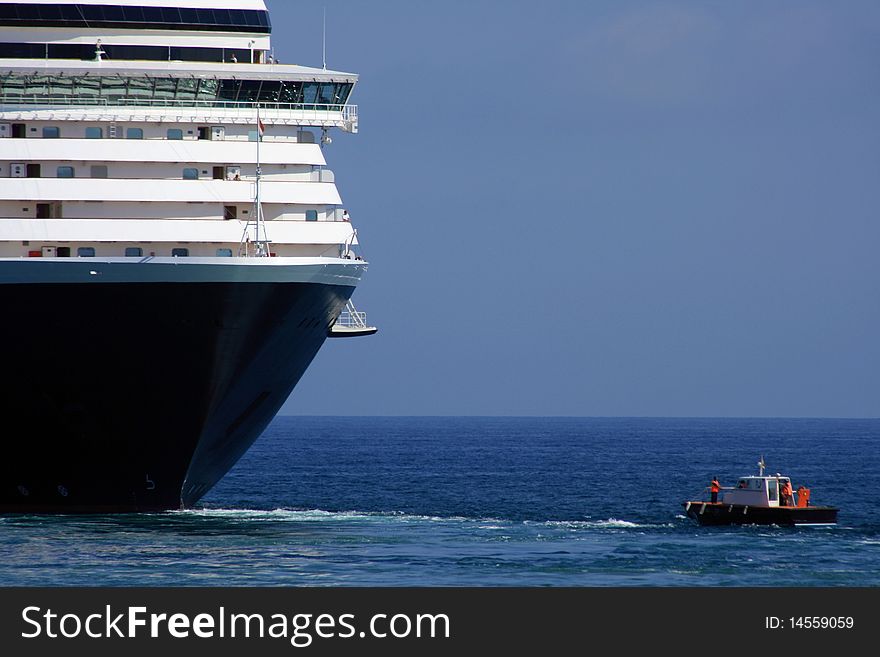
(714, 487)
(787, 494)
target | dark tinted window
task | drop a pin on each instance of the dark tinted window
(135, 90)
(71, 51)
(229, 89)
(115, 14)
(22, 50)
(206, 17)
(188, 15)
(171, 15)
(24, 14)
(250, 90)
(86, 51)
(152, 14)
(134, 14)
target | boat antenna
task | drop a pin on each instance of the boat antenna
(761, 466)
(324, 41)
(260, 245)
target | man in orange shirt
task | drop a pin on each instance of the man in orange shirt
(714, 488)
(787, 495)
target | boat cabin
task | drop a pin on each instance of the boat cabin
(755, 491)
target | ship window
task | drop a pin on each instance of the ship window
(190, 173)
(86, 252)
(99, 171)
(94, 133)
(65, 172)
(133, 251)
(133, 14)
(175, 133)
(310, 92)
(311, 215)
(230, 212)
(180, 252)
(134, 133)
(327, 94)
(63, 252)
(224, 253)
(51, 132)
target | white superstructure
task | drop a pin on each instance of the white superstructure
(128, 128)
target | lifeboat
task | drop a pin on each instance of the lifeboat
(760, 500)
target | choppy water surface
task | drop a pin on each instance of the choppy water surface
(482, 501)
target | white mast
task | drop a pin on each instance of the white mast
(260, 245)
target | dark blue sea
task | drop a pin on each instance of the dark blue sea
(421, 501)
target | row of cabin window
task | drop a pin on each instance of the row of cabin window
(54, 132)
(133, 252)
(94, 132)
(100, 171)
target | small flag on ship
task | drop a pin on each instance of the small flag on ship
(260, 127)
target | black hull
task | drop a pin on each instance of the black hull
(735, 514)
(125, 397)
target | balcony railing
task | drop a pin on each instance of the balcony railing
(16, 101)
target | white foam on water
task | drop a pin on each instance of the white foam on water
(486, 523)
(319, 515)
(275, 515)
(610, 523)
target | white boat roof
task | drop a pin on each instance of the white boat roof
(219, 70)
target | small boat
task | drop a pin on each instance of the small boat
(760, 500)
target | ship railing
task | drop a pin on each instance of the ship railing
(706, 493)
(29, 100)
(348, 112)
(349, 318)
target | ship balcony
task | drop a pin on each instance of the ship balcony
(36, 107)
(336, 234)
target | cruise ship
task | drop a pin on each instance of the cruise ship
(173, 248)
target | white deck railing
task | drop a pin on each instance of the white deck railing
(349, 319)
(343, 116)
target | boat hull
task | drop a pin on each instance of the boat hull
(140, 396)
(707, 513)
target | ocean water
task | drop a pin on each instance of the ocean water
(322, 501)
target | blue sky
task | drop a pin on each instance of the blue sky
(605, 208)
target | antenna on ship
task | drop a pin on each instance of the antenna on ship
(261, 244)
(324, 41)
(261, 247)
